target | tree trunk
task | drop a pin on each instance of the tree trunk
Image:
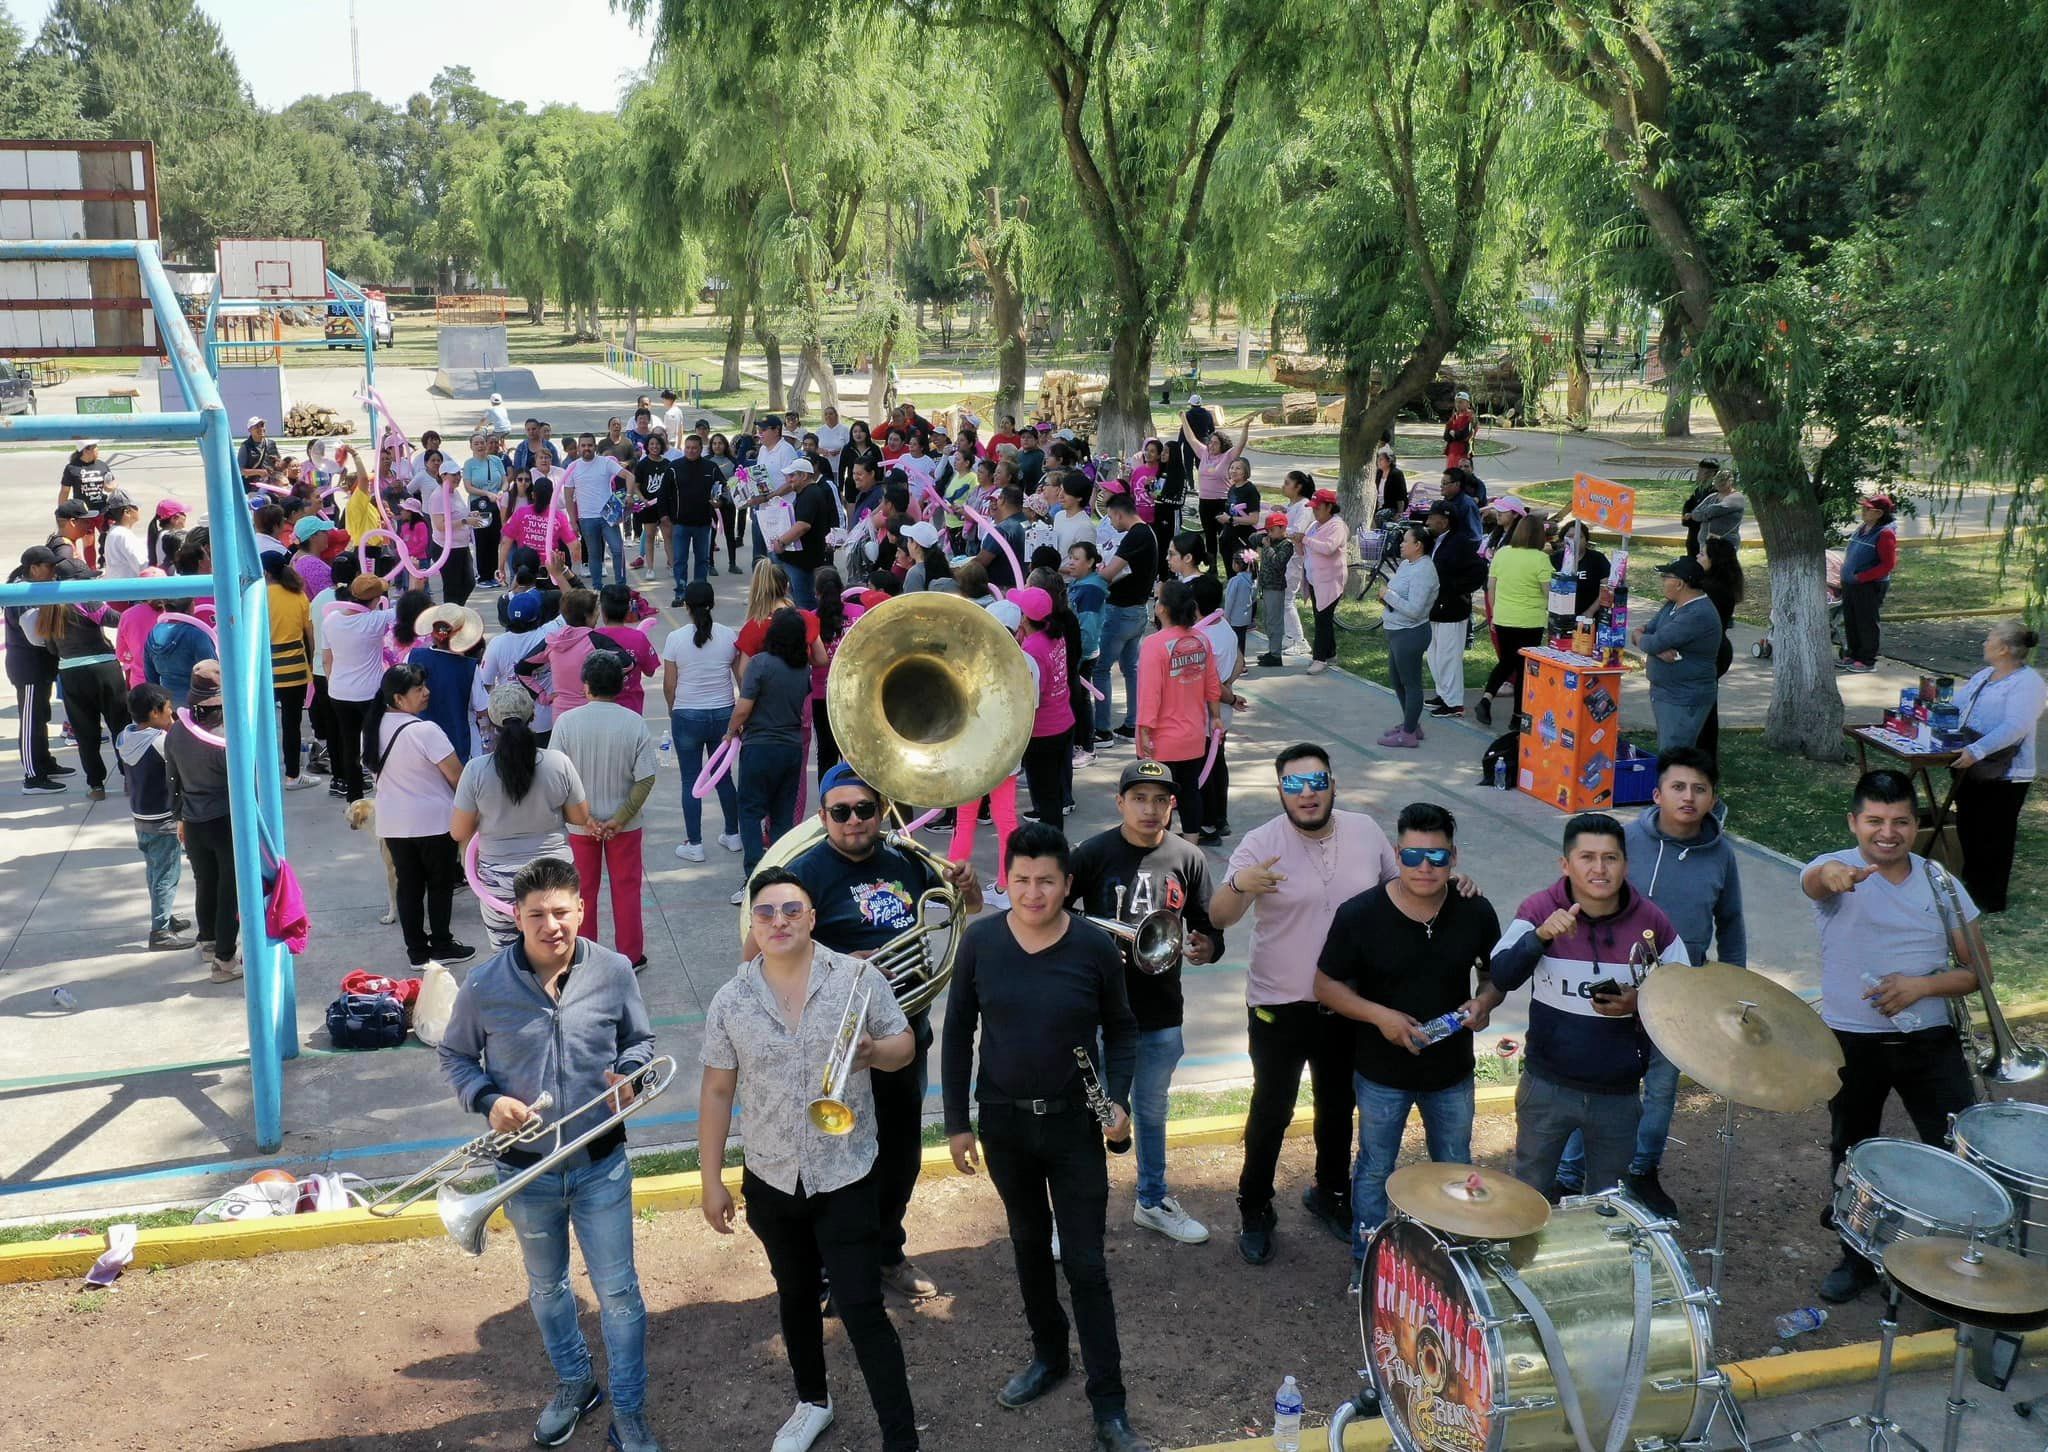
(1126, 420)
(813, 367)
(536, 309)
(1366, 417)
(1244, 346)
(878, 378)
(1578, 389)
(771, 348)
(1677, 384)
(800, 386)
(1013, 343)
(1273, 332)
(735, 334)
(633, 328)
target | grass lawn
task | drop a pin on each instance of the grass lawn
(1798, 807)
(1324, 446)
(1365, 651)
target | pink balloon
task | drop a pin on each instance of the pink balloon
(1209, 761)
(476, 884)
(181, 618)
(715, 769)
(200, 731)
(923, 820)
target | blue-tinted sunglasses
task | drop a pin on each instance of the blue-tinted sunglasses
(1434, 856)
(1297, 782)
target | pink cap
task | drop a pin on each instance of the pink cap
(1036, 604)
(169, 509)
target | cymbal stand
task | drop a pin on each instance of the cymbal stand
(1952, 1425)
(1883, 1430)
(1726, 1135)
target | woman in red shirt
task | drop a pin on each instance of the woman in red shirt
(767, 593)
(1178, 691)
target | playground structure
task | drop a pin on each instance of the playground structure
(475, 360)
(242, 623)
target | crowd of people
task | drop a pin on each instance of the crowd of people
(1373, 960)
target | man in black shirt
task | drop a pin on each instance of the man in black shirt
(1399, 956)
(258, 455)
(697, 482)
(1131, 569)
(802, 548)
(865, 891)
(1039, 983)
(655, 485)
(1702, 490)
(1124, 874)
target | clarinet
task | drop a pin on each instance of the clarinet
(1098, 1100)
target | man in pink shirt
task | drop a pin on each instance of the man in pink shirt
(1178, 692)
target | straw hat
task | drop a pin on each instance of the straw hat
(463, 625)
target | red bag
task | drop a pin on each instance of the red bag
(405, 990)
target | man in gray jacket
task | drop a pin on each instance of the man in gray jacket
(1680, 860)
(1679, 646)
(552, 1013)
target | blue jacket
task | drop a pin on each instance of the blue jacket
(1695, 881)
(169, 654)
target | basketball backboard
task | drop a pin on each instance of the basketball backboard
(57, 191)
(272, 269)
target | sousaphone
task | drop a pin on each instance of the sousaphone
(932, 703)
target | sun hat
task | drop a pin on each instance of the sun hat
(462, 626)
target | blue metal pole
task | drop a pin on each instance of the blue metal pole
(16, 427)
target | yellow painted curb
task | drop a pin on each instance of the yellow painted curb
(1755, 1380)
(61, 1259)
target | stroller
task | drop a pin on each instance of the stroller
(1762, 649)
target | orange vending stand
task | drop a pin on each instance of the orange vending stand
(1572, 706)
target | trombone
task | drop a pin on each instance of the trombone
(2009, 1062)
(465, 1217)
(830, 1111)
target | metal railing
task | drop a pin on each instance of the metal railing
(655, 373)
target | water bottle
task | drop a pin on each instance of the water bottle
(667, 748)
(1500, 774)
(63, 998)
(1796, 1323)
(1443, 1026)
(1287, 1417)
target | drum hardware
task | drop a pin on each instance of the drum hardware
(1470, 1203)
(1894, 1191)
(1879, 1423)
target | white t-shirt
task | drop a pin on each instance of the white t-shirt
(458, 514)
(703, 672)
(1223, 651)
(126, 553)
(831, 439)
(1070, 528)
(1877, 929)
(499, 418)
(357, 643)
(323, 605)
(413, 798)
(766, 472)
(592, 481)
(423, 478)
(504, 651)
(672, 424)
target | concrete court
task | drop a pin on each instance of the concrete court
(139, 1094)
(1919, 1404)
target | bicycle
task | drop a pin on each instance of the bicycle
(1379, 554)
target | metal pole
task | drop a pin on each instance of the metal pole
(1952, 1428)
(1726, 1134)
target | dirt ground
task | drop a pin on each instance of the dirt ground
(416, 1346)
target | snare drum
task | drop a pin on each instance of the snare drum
(2009, 1141)
(1460, 1368)
(1897, 1189)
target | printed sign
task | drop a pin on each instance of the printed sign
(1603, 503)
(106, 403)
(1428, 1348)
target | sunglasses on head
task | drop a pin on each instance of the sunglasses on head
(841, 811)
(1297, 782)
(1434, 856)
(764, 912)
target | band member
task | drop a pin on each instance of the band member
(1587, 1051)
(556, 1013)
(1877, 911)
(1399, 957)
(812, 1197)
(1679, 859)
(865, 892)
(1037, 982)
(1133, 869)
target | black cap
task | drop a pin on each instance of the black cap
(73, 509)
(38, 555)
(1686, 569)
(1712, 466)
(117, 501)
(1143, 773)
(73, 570)
(1441, 507)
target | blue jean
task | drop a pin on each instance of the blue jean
(597, 536)
(160, 855)
(1123, 626)
(693, 542)
(696, 735)
(769, 773)
(1660, 1098)
(803, 590)
(1678, 722)
(1159, 1052)
(598, 1200)
(1382, 1119)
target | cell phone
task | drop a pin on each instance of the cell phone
(1605, 988)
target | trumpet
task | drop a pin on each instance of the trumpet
(465, 1217)
(829, 1111)
(1153, 944)
(2008, 1062)
(1098, 1100)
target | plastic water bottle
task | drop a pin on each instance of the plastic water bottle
(1799, 1322)
(667, 748)
(63, 998)
(1287, 1417)
(1443, 1026)
(1500, 774)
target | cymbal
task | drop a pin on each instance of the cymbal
(1980, 1278)
(1462, 1200)
(1741, 1035)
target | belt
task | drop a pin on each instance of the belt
(1032, 1106)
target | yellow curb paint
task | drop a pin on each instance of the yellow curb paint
(62, 1259)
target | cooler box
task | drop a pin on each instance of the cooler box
(1635, 777)
(1572, 729)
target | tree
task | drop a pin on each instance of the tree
(1001, 247)
(521, 197)
(44, 95)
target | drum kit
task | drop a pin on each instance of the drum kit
(1494, 1323)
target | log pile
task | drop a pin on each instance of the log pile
(1295, 408)
(1071, 400)
(1495, 385)
(1299, 371)
(314, 421)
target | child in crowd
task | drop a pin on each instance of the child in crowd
(141, 749)
(1237, 594)
(1276, 554)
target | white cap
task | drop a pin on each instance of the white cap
(254, 420)
(1069, 435)
(450, 466)
(497, 398)
(798, 465)
(1011, 617)
(1194, 400)
(924, 532)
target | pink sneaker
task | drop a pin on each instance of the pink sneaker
(1403, 739)
(1391, 737)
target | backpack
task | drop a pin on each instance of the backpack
(366, 1021)
(1501, 748)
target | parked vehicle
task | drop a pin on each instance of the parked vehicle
(17, 389)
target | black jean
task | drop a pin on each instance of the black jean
(1049, 1168)
(899, 1137)
(1214, 513)
(1049, 773)
(291, 716)
(1507, 665)
(835, 1231)
(425, 870)
(1084, 716)
(821, 732)
(1323, 637)
(1987, 825)
(1926, 1069)
(729, 526)
(1860, 604)
(346, 754)
(1216, 792)
(95, 700)
(458, 576)
(32, 697)
(210, 848)
(321, 713)
(1187, 777)
(1283, 1038)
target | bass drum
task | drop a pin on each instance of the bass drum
(2008, 1140)
(1460, 1368)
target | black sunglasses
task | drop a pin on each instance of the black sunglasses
(841, 811)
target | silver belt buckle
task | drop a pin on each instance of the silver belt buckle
(1039, 1107)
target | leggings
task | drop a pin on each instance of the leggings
(730, 519)
(1049, 772)
(94, 696)
(347, 751)
(1002, 806)
(210, 848)
(458, 576)
(291, 702)
(1509, 641)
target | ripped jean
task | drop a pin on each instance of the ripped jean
(598, 1200)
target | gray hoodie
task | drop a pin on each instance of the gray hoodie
(1694, 879)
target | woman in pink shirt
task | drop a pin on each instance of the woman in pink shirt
(1212, 476)
(1178, 692)
(1326, 542)
(132, 635)
(526, 531)
(1049, 759)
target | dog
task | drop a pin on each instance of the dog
(362, 816)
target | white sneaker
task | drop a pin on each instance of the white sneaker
(1316, 668)
(690, 851)
(739, 895)
(995, 897)
(223, 970)
(804, 1427)
(1083, 758)
(1171, 1221)
(302, 783)
(730, 841)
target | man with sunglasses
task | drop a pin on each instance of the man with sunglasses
(1398, 958)
(811, 1196)
(865, 892)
